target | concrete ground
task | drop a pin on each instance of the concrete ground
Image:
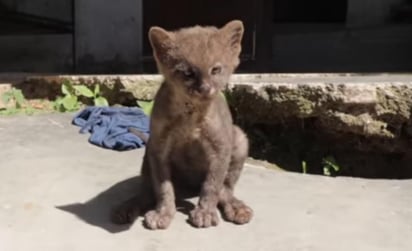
(56, 190)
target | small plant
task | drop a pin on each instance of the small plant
(223, 95)
(146, 106)
(330, 167)
(70, 101)
(19, 103)
(304, 167)
(98, 99)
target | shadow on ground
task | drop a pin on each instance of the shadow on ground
(96, 211)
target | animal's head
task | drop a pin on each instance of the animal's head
(198, 61)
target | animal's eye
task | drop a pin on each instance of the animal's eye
(185, 71)
(216, 70)
(188, 74)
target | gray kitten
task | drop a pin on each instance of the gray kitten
(193, 144)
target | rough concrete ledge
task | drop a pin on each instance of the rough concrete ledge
(118, 89)
(373, 105)
(376, 106)
(369, 105)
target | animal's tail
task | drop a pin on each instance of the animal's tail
(139, 134)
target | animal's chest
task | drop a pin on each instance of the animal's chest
(190, 157)
(190, 145)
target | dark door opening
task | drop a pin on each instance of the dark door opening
(285, 11)
(176, 14)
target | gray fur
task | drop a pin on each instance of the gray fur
(193, 143)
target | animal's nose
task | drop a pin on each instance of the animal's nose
(204, 88)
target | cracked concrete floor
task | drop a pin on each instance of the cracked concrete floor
(56, 190)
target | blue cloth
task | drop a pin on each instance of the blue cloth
(108, 126)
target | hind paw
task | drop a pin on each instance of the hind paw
(125, 213)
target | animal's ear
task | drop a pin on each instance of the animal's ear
(161, 42)
(233, 34)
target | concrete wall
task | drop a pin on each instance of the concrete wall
(359, 50)
(368, 12)
(31, 53)
(9, 4)
(108, 35)
(55, 9)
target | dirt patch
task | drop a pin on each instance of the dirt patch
(364, 127)
(293, 143)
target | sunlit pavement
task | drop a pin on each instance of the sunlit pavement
(56, 191)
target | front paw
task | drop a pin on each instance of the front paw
(203, 218)
(158, 220)
(237, 212)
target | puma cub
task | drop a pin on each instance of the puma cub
(194, 145)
